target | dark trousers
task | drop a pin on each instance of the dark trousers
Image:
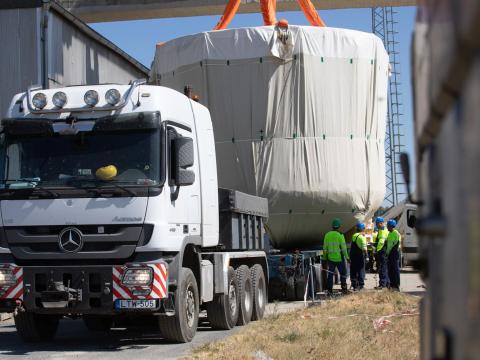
(371, 261)
(382, 268)
(394, 268)
(332, 265)
(357, 271)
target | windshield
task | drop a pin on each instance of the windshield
(126, 158)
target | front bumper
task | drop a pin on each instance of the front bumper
(77, 290)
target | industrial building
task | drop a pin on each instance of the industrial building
(43, 44)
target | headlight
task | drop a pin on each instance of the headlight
(39, 100)
(59, 99)
(112, 96)
(138, 277)
(7, 278)
(91, 98)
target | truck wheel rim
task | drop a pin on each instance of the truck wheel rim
(232, 299)
(260, 295)
(190, 307)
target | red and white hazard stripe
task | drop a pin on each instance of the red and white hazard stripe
(158, 288)
(15, 291)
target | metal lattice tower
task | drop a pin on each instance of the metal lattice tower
(384, 25)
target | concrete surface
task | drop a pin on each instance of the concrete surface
(4, 317)
(74, 341)
(117, 10)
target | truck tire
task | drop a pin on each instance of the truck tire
(35, 327)
(275, 291)
(300, 286)
(96, 323)
(259, 292)
(182, 326)
(222, 312)
(245, 294)
(290, 289)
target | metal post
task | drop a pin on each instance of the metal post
(312, 281)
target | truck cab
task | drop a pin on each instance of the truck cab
(109, 207)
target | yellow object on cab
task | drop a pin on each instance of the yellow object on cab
(106, 172)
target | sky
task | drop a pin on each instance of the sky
(138, 38)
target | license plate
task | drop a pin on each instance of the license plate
(135, 304)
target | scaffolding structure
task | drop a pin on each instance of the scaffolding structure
(384, 26)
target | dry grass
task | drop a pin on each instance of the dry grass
(338, 329)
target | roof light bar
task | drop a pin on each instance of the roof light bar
(120, 104)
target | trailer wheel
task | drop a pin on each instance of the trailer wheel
(182, 326)
(300, 287)
(35, 327)
(245, 294)
(98, 322)
(259, 292)
(290, 289)
(222, 312)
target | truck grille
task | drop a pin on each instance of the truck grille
(97, 241)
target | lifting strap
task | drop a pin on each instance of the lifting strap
(268, 8)
(228, 14)
(310, 13)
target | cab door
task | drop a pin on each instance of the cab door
(183, 183)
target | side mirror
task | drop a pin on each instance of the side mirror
(183, 158)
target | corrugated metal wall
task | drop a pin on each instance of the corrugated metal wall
(76, 54)
(77, 60)
(19, 57)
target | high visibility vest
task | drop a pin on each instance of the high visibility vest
(381, 238)
(393, 240)
(334, 246)
(360, 241)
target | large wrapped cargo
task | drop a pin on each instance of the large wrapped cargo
(299, 117)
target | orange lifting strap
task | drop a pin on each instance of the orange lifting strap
(268, 11)
(269, 8)
(310, 13)
(228, 14)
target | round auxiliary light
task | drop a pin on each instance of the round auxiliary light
(91, 98)
(39, 100)
(112, 96)
(59, 99)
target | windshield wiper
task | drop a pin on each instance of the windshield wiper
(31, 184)
(103, 182)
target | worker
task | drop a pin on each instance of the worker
(381, 252)
(393, 254)
(358, 255)
(335, 253)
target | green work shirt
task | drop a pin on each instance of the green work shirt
(360, 240)
(381, 238)
(393, 240)
(333, 246)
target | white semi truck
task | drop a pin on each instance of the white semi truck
(110, 210)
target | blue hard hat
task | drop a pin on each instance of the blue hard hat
(360, 226)
(391, 223)
(379, 219)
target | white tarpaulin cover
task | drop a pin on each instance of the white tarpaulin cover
(300, 121)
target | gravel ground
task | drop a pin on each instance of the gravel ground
(74, 341)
